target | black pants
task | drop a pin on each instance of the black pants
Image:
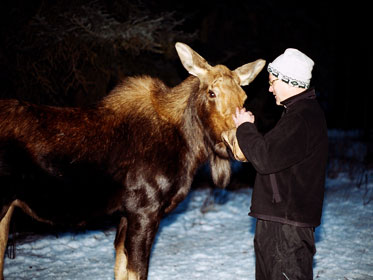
(283, 252)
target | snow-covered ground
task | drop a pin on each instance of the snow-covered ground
(210, 236)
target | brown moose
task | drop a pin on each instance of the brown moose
(133, 155)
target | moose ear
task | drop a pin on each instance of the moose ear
(249, 71)
(195, 64)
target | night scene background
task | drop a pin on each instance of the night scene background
(72, 53)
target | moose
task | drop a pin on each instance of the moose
(133, 154)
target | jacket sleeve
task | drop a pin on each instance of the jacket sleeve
(280, 148)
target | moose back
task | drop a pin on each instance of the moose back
(133, 155)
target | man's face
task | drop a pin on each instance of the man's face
(279, 89)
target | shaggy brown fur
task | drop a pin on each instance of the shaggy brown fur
(134, 154)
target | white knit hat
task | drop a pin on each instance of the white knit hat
(292, 67)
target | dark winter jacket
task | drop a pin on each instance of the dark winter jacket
(290, 161)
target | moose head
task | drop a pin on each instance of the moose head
(220, 87)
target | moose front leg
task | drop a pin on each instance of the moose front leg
(120, 269)
(141, 232)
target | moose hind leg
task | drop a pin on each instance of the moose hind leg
(4, 232)
(120, 269)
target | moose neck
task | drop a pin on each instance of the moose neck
(177, 106)
(180, 107)
(195, 132)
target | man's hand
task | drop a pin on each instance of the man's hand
(242, 116)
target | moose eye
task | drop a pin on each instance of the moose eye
(212, 94)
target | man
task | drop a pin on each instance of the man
(290, 161)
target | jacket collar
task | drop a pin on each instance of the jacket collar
(307, 94)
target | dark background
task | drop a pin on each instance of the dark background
(72, 53)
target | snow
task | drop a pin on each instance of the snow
(210, 236)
